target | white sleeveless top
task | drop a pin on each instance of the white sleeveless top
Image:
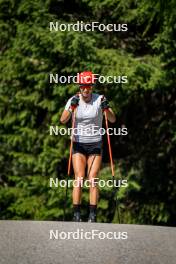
(89, 119)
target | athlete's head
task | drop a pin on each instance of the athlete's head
(86, 81)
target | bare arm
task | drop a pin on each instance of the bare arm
(110, 115)
(105, 107)
(71, 105)
(65, 116)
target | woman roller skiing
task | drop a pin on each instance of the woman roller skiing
(87, 141)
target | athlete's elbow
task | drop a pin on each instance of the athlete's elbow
(62, 120)
(112, 119)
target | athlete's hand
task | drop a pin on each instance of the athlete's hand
(74, 102)
(104, 104)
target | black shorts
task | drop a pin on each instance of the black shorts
(88, 148)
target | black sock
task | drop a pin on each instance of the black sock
(93, 208)
(76, 208)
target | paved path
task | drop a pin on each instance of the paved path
(41, 242)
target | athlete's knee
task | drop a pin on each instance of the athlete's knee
(78, 182)
(94, 182)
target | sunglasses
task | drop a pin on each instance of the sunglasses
(85, 87)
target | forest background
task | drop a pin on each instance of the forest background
(146, 105)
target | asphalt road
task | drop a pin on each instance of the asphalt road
(43, 242)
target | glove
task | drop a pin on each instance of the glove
(74, 102)
(104, 104)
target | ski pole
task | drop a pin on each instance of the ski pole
(70, 158)
(109, 144)
(112, 165)
(71, 143)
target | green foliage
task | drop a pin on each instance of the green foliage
(145, 105)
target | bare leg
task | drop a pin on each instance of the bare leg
(94, 164)
(79, 165)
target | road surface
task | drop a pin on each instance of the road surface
(47, 242)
